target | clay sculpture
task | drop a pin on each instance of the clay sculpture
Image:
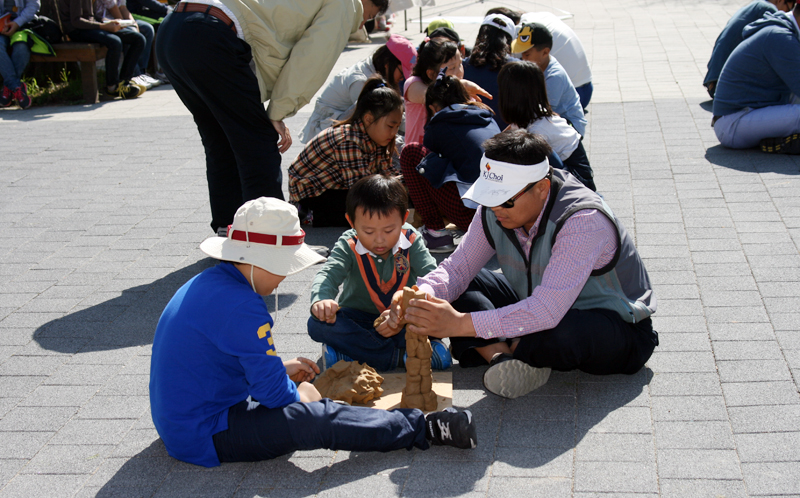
(418, 392)
(350, 381)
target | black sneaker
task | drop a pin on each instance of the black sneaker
(512, 378)
(438, 244)
(125, 90)
(21, 96)
(452, 428)
(781, 145)
(6, 97)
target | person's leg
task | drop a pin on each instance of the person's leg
(745, 129)
(147, 30)
(134, 43)
(585, 94)
(578, 164)
(449, 203)
(353, 335)
(216, 83)
(109, 40)
(420, 189)
(265, 433)
(594, 341)
(329, 208)
(487, 291)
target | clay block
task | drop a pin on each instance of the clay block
(412, 401)
(350, 381)
(430, 402)
(413, 385)
(413, 365)
(425, 369)
(424, 350)
(425, 384)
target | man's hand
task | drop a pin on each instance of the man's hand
(10, 29)
(284, 137)
(437, 318)
(111, 26)
(475, 92)
(301, 369)
(325, 310)
(384, 328)
(308, 393)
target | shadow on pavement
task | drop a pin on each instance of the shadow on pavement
(753, 160)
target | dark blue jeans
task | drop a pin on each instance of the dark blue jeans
(595, 341)
(209, 68)
(265, 433)
(585, 94)
(128, 39)
(13, 65)
(354, 335)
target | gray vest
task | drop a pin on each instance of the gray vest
(622, 285)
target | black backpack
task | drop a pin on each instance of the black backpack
(46, 28)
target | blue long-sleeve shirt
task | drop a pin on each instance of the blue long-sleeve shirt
(212, 348)
(562, 95)
(26, 10)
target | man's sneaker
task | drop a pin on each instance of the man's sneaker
(154, 82)
(125, 90)
(141, 81)
(441, 358)
(330, 357)
(512, 378)
(21, 96)
(781, 145)
(6, 97)
(452, 428)
(438, 241)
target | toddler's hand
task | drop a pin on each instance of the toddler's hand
(384, 328)
(325, 310)
(301, 369)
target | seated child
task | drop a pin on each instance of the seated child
(524, 104)
(380, 255)
(535, 42)
(350, 150)
(213, 350)
(456, 129)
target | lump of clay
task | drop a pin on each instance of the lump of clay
(350, 381)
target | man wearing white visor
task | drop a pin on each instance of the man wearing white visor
(574, 293)
(219, 392)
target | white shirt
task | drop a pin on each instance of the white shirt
(567, 47)
(562, 137)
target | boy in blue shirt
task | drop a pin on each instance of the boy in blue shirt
(218, 390)
(380, 255)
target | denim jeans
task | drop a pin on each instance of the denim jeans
(264, 433)
(746, 128)
(209, 68)
(585, 93)
(12, 66)
(595, 341)
(114, 42)
(353, 335)
(147, 30)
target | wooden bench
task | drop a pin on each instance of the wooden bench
(87, 54)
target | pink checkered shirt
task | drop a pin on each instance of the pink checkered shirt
(587, 241)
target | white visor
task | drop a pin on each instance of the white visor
(499, 181)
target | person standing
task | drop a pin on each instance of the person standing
(206, 47)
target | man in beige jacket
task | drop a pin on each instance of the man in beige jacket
(225, 58)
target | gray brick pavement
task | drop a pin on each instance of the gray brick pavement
(104, 207)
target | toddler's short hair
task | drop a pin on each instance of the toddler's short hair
(377, 194)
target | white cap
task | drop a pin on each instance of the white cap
(265, 233)
(509, 28)
(499, 181)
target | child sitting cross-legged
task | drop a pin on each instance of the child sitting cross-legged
(379, 256)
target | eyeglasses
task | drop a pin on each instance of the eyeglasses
(510, 203)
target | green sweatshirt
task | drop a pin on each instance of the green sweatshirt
(342, 268)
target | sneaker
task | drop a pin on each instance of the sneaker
(154, 82)
(330, 357)
(160, 76)
(6, 97)
(140, 81)
(21, 96)
(781, 145)
(452, 428)
(438, 241)
(321, 250)
(125, 90)
(441, 358)
(512, 378)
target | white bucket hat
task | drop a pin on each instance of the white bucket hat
(506, 24)
(265, 233)
(499, 181)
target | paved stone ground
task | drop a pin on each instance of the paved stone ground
(104, 207)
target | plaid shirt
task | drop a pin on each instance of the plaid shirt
(587, 241)
(336, 159)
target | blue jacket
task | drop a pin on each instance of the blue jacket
(764, 70)
(731, 36)
(487, 79)
(454, 136)
(26, 11)
(212, 348)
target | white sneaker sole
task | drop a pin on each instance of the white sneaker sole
(514, 378)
